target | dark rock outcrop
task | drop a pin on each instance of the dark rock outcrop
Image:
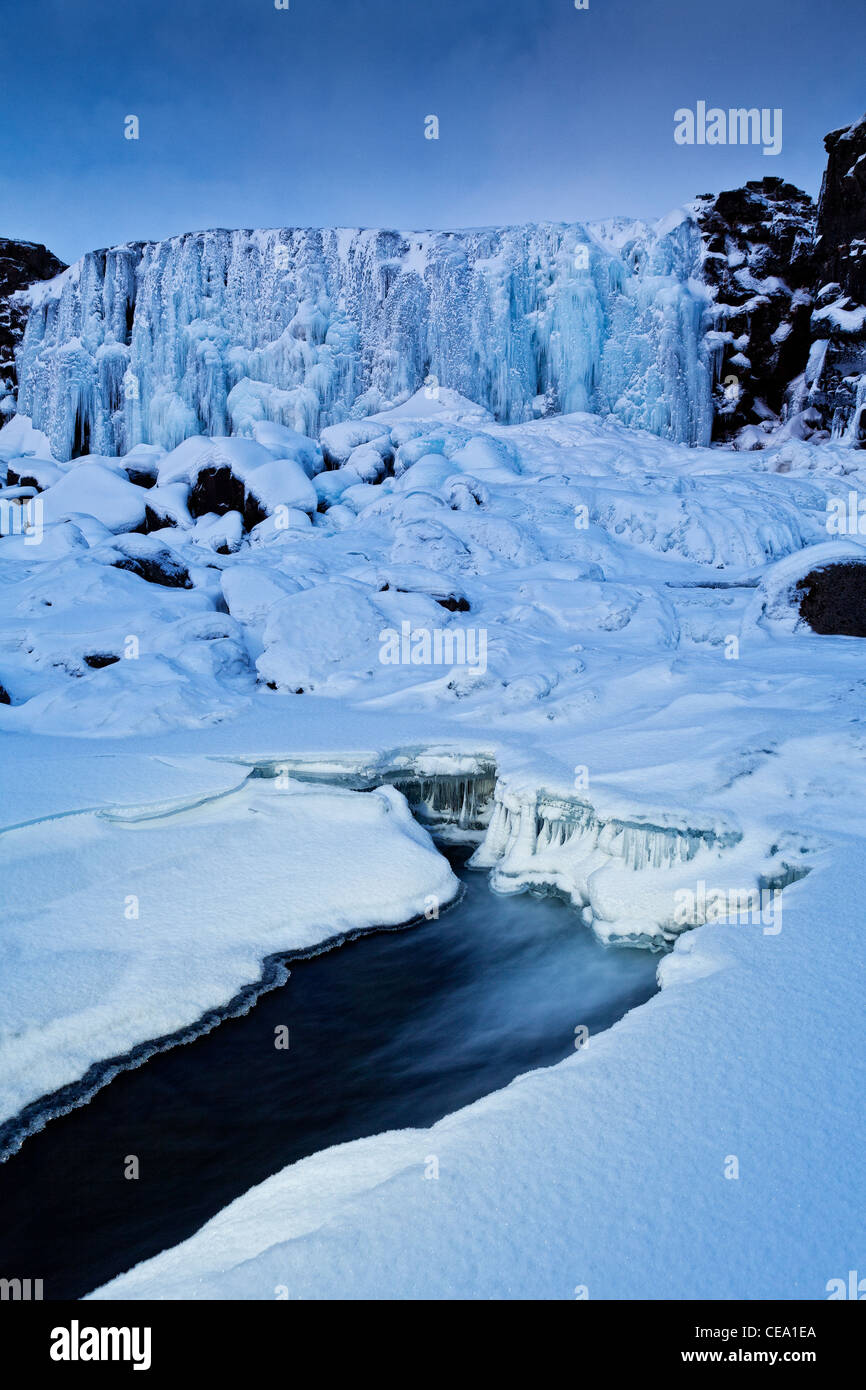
(22, 263)
(834, 599)
(152, 561)
(217, 490)
(97, 660)
(759, 260)
(841, 247)
(160, 568)
(789, 278)
(838, 388)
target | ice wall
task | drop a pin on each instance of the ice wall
(208, 332)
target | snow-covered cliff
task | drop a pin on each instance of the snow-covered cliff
(209, 332)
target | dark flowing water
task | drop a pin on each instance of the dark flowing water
(391, 1030)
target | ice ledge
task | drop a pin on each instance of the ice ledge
(633, 882)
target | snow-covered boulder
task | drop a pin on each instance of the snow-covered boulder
(330, 486)
(167, 505)
(147, 556)
(776, 606)
(32, 472)
(98, 492)
(490, 457)
(431, 470)
(416, 439)
(368, 462)
(142, 464)
(181, 465)
(277, 527)
(19, 439)
(251, 592)
(284, 443)
(339, 441)
(321, 640)
(283, 483)
(222, 532)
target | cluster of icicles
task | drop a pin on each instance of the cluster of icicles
(455, 800)
(527, 828)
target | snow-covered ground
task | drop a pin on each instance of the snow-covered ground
(616, 626)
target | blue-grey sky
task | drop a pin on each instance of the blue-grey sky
(253, 116)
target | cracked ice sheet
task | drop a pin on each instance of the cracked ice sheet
(54, 778)
(296, 866)
(595, 1172)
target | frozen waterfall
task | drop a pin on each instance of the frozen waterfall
(212, 331)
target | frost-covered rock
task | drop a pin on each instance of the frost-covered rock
(759, 262)
(147, 557)
(788, 279)
(21, 264)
